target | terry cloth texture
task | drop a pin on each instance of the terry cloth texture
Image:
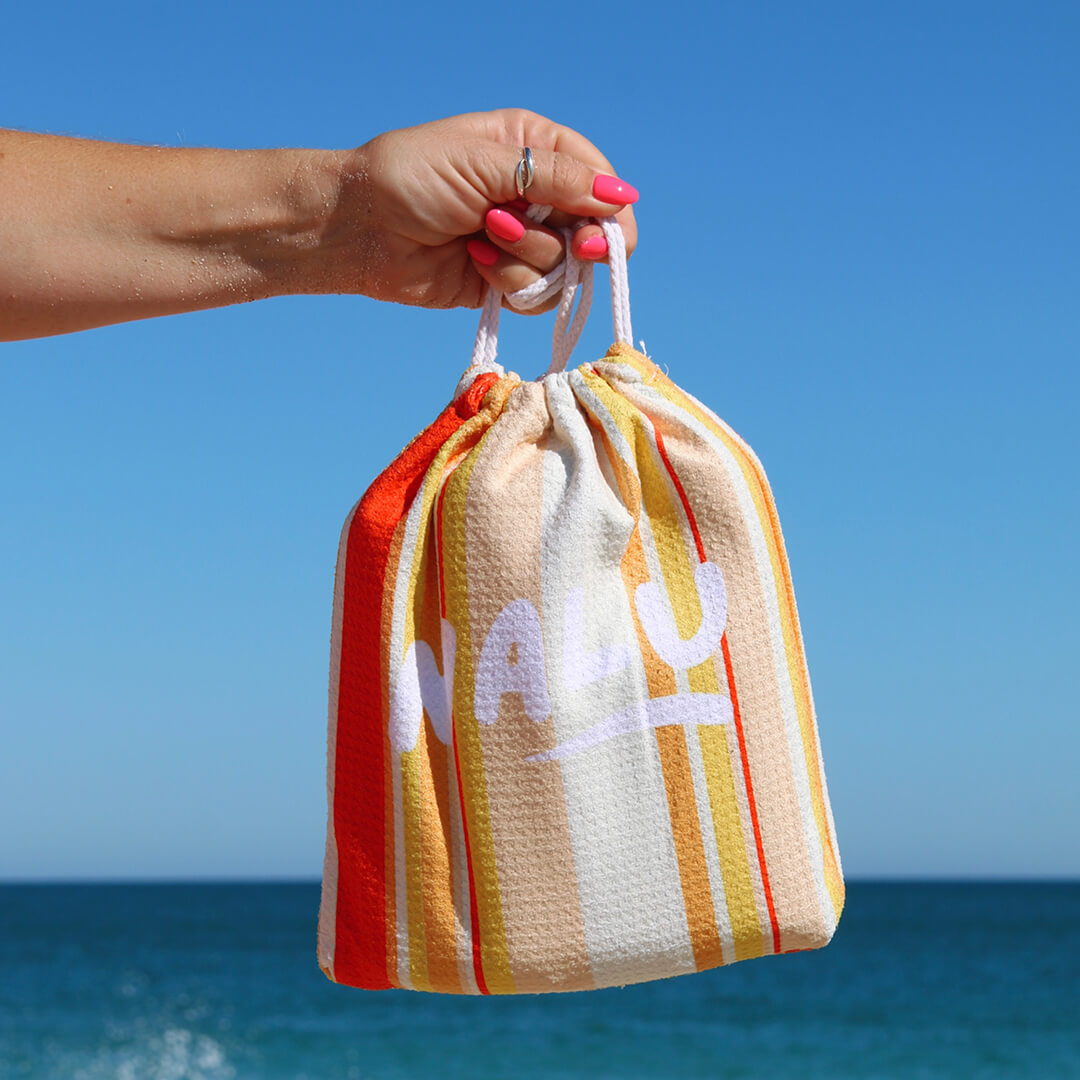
(571, 741)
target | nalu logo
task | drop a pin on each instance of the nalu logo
(512, 661)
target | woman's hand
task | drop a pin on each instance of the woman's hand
(428, 215)
(93, 233)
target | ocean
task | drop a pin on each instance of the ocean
(210, 981)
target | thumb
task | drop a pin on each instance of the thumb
(559, 180)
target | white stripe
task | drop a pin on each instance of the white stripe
(631, 898)
(682, 710)
(400, 616)
(697, 767)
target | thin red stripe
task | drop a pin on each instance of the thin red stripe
(682, 493)
(750, 794)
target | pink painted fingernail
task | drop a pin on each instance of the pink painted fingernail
(484, 253)
(505, 226)
(593, 248)
(611, 189)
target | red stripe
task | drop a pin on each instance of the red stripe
(734, 700)
(359, 781)
(682, 494)
(750, 794)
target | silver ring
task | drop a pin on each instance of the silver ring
(524, 174)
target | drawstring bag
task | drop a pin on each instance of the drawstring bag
(571, 737)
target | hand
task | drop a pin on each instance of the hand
(413, 220)
(94, 233)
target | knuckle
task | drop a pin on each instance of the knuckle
(518, 118)
(563, 170)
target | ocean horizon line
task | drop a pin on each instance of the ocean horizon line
(278, 880)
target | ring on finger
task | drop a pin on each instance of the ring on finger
(525, 172)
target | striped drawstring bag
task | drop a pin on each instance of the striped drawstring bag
(571, 741)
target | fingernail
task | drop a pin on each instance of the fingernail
(505, 226)
(593, 248)
(518, 204)
(483, 252)
(611, 189)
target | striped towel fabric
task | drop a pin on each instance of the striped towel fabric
(571, 742)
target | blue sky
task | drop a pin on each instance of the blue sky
(859, 236)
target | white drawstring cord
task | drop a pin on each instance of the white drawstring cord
(568, 277)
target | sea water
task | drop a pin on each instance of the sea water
(171, 982)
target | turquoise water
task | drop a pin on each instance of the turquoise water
(170, 982)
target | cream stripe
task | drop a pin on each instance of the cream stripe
(697, 767)
(631, 898)
(408, 566)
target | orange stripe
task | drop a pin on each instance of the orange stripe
(689, 848)
(439, 927)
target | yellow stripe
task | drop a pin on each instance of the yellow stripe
(414, 878)
(494, 953)
(731, 844)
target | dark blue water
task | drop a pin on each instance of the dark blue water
(170, 982)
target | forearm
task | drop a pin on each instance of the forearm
(93, 233)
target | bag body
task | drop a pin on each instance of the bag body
(572, 742)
